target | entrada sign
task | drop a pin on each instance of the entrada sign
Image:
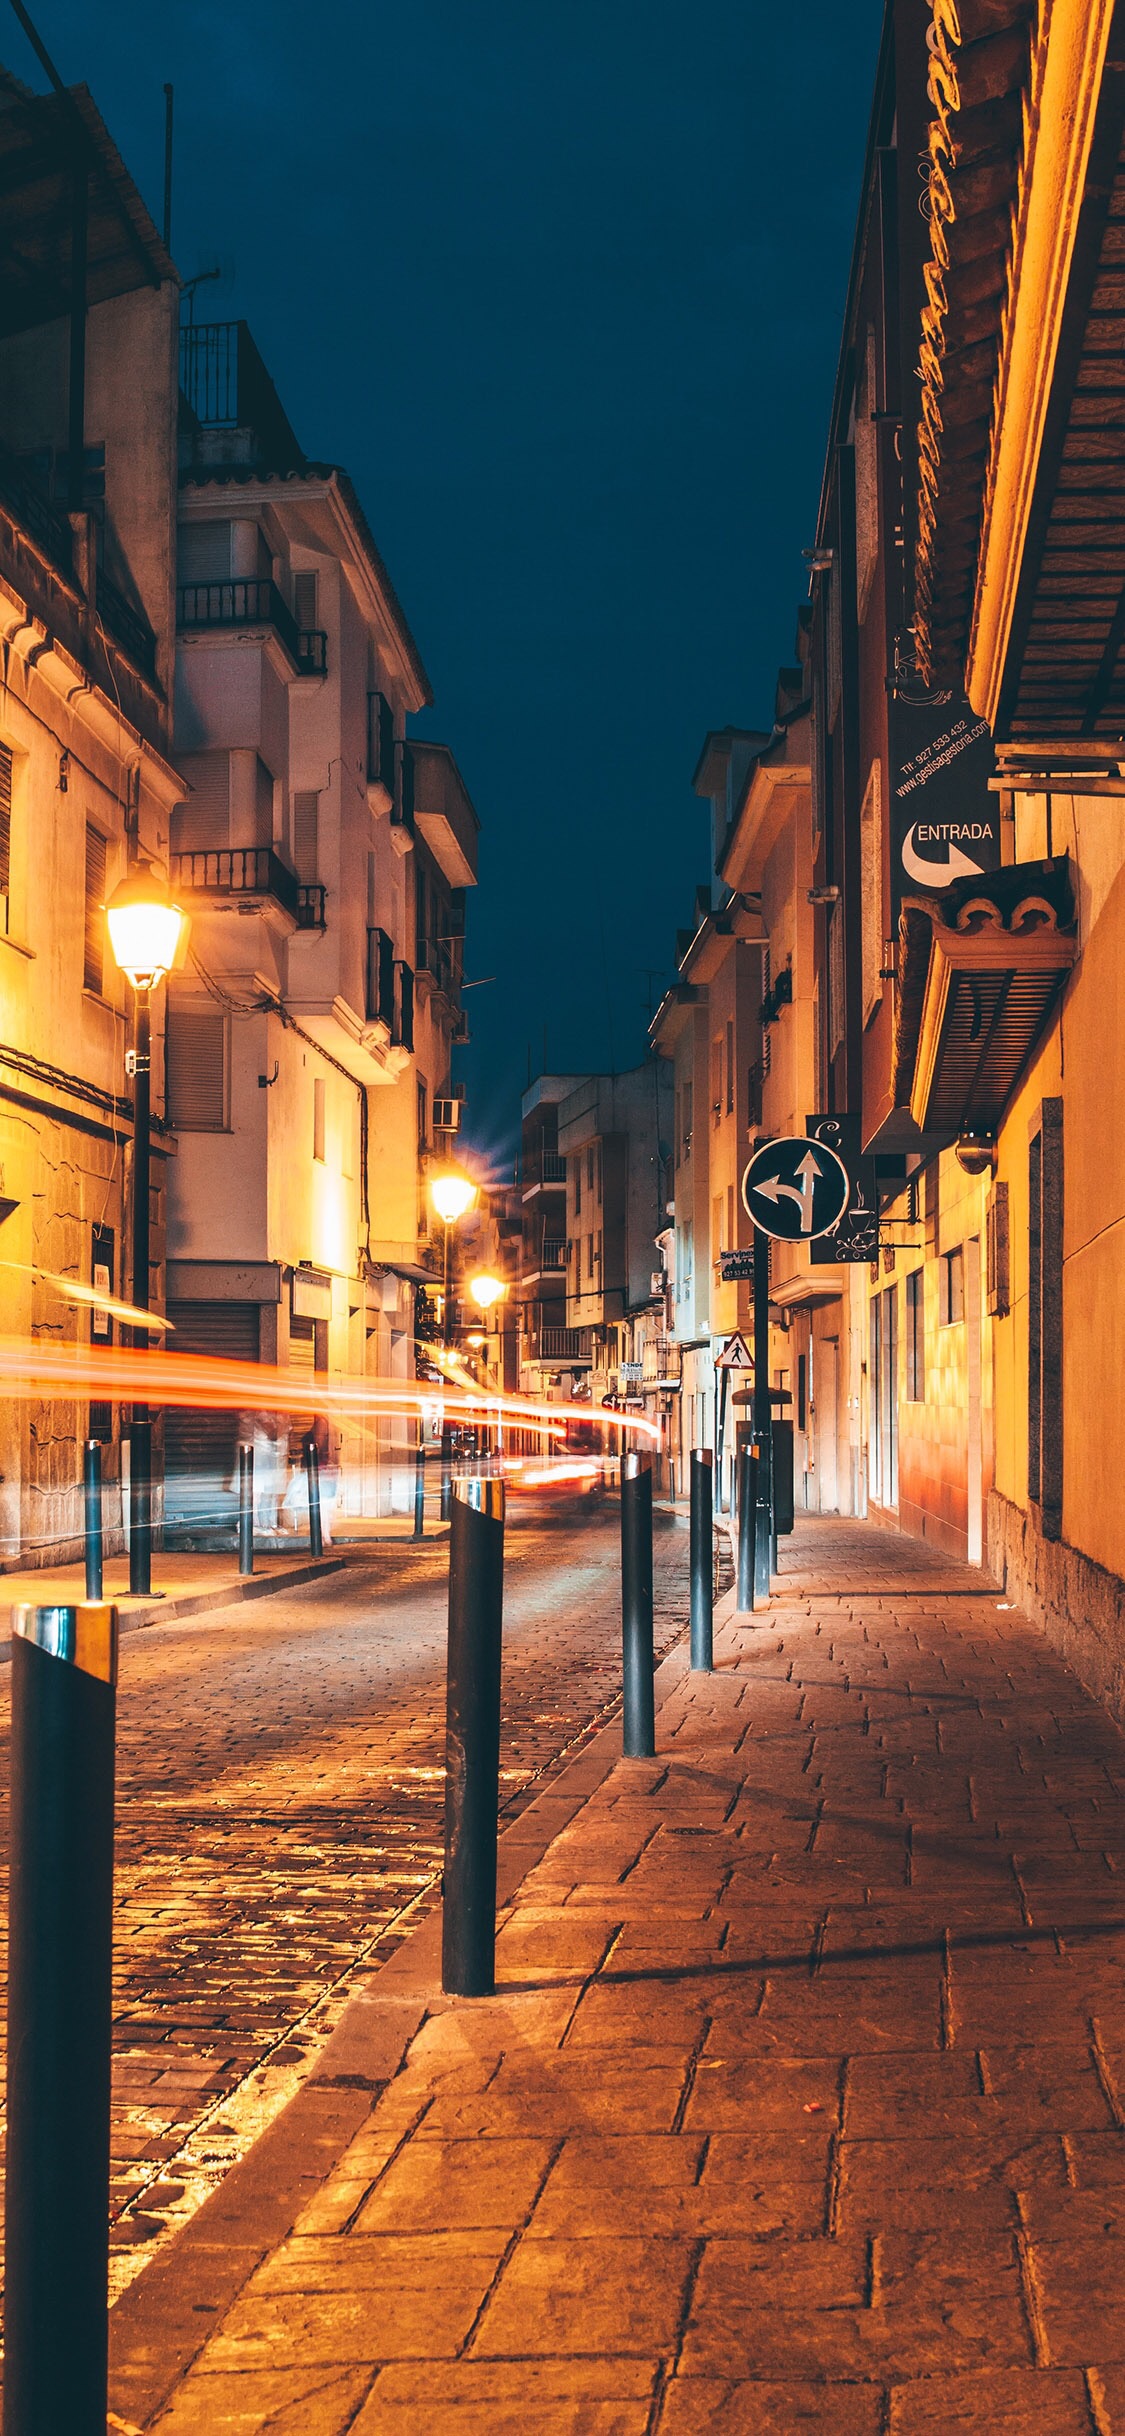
(795, 1189)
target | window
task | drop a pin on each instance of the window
(423, 1138)
(717, 1244)
(689, 1094)
(203, 822)
(93, 943)
(871, 876)
(196, 1056)
(716, 1080)
(589, 1256)
(802, 1392)
(304, 600)
(590, 1169)
(916, 1337)
(318, 1117)
(767, 978)
(578, 1188)
(730, 1069)
(732, 1227)
(5, 833)
(306, 840)
(952, 1287)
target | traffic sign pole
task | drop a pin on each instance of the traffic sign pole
(763, 1436)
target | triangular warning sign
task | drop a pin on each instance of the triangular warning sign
(736, 1354)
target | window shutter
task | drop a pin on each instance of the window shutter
(304, 600)
(263, 805)
(203, 823)
(195, 1048)
(306, 839)
(93, 944)
(5, 823)
(404, 1028)
(203, 553)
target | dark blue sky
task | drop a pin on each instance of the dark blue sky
(561, 285)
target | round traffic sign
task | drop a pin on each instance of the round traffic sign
(795, 1189)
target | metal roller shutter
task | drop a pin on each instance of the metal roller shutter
(199, 1447)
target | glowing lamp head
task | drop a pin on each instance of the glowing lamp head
(452, 1194)
(487, 1290)
(146, 930)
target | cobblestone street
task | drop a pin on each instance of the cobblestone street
(280, 1788)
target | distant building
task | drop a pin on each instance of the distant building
(324, 859)
(552, 1348)
(615, 1133)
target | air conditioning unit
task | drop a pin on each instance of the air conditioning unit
(446, 1116)
(657, 1282)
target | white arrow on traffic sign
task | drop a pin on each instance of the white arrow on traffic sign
(810, 1176)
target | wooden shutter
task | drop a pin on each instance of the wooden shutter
(93, 944)
(204, 822)
(5, 828)
(196, 1046)
(263, 805)
(306, 836)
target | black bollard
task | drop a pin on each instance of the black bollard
(246, 1509)
(472, 1737)
(140, 1505)
(60, 1913)
(316, 1527)
(420, 1486)
(702, 1561)
(747, 1493)
(92, 1517)
(639, 1737)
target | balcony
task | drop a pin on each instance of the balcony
(554, 1254)
(439, 960)
(310, 905)
(568, 1345)
(543, 1169)
(231, 400)
(246, 875)
(980, 968)
(251, 600)
(389, 990)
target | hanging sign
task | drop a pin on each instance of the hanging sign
(945, 825)
(857, 1235)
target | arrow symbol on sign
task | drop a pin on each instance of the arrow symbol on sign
(955, 865)
(772, 1188)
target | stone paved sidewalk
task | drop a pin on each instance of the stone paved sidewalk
(800, 2105)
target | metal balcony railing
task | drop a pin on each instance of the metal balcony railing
(562, 1345)
(554, 1254)
(310, 905)
(312, 651)
(126, 625)
(239, 871)
(544, 1167)
(251, 600)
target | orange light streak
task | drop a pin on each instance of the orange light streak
(31, 1368)
(75, 1292)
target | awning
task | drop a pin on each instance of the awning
(979, 969)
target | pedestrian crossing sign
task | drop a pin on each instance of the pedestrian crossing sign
(736, 1354)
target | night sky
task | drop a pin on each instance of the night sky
(561, 286)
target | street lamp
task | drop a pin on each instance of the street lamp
(147, 933)
(486, 1290)
(452, 1193)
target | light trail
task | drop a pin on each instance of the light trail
(92, 1297)
(31, 1369)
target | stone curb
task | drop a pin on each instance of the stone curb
(225, 1594)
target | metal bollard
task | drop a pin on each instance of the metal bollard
(747, 1493)
(92, 1517)
(140, 1506)
(60, 1911)
(639, 1736)
(316, 1527)
(765, 1546)
(420, 1488)
(702, 1562)
(472, 1737)
(246, 1509)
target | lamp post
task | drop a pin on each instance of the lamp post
(452, 1193)
(146, 935)
(487, 1291)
